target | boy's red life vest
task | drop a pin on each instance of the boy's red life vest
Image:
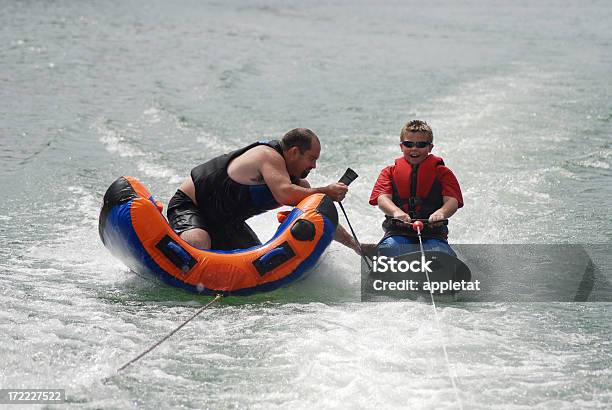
(417, 190)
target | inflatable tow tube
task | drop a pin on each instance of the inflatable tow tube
(133, 228)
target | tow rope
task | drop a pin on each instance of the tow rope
(202, 309)
(418, 226)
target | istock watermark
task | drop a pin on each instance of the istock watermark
(493, 273)
(382, 264)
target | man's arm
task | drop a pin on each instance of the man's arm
(341, 235)
(274, 172)
(346, 239)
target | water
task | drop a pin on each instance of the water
(518, 96)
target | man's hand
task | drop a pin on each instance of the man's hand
(368, 249)
(336, 191)
(355, 246)
(363, 249)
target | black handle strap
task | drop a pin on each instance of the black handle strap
(425, 221)
(348, 177)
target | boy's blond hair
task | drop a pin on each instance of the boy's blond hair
(417, 126)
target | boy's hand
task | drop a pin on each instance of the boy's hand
(435, 217)
(402, 216)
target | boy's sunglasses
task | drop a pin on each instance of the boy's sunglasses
(419, 144)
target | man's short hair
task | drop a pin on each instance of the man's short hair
(417, 126)
(298, 137)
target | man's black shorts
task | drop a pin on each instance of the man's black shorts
(184, 215)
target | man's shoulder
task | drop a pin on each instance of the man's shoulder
(264, 156)
(263, 152)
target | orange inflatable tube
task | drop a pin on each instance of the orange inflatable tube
(133, 228)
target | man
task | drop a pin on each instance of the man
(210, 207)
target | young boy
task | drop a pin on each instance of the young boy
(417, 186)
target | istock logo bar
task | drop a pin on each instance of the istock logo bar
(492, 273)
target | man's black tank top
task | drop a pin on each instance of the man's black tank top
(224, 200)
